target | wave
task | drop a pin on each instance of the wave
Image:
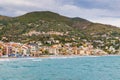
(61, 57)
(1, 60)
(49, 57)
(37, 60)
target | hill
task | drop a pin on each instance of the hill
(45, 26)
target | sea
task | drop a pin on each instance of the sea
(61, 68)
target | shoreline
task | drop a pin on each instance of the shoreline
(56, 56)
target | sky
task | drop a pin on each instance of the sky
(100, 11)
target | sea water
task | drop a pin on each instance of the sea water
(78, 68)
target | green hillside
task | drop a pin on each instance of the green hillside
(74, 30)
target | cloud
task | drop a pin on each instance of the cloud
(102, 4)
(102, 16)
(104, 11)
(107, 20)
(13, 7)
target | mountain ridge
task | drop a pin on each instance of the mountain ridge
(42, 12)
(75, 22)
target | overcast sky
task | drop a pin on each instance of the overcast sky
(102, 11)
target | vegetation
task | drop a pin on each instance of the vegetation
(73, 30)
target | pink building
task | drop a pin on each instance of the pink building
(8, 49)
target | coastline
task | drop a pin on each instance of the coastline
(54, 57)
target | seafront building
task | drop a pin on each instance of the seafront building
(12, 49)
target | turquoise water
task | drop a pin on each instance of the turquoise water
(82, 68)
